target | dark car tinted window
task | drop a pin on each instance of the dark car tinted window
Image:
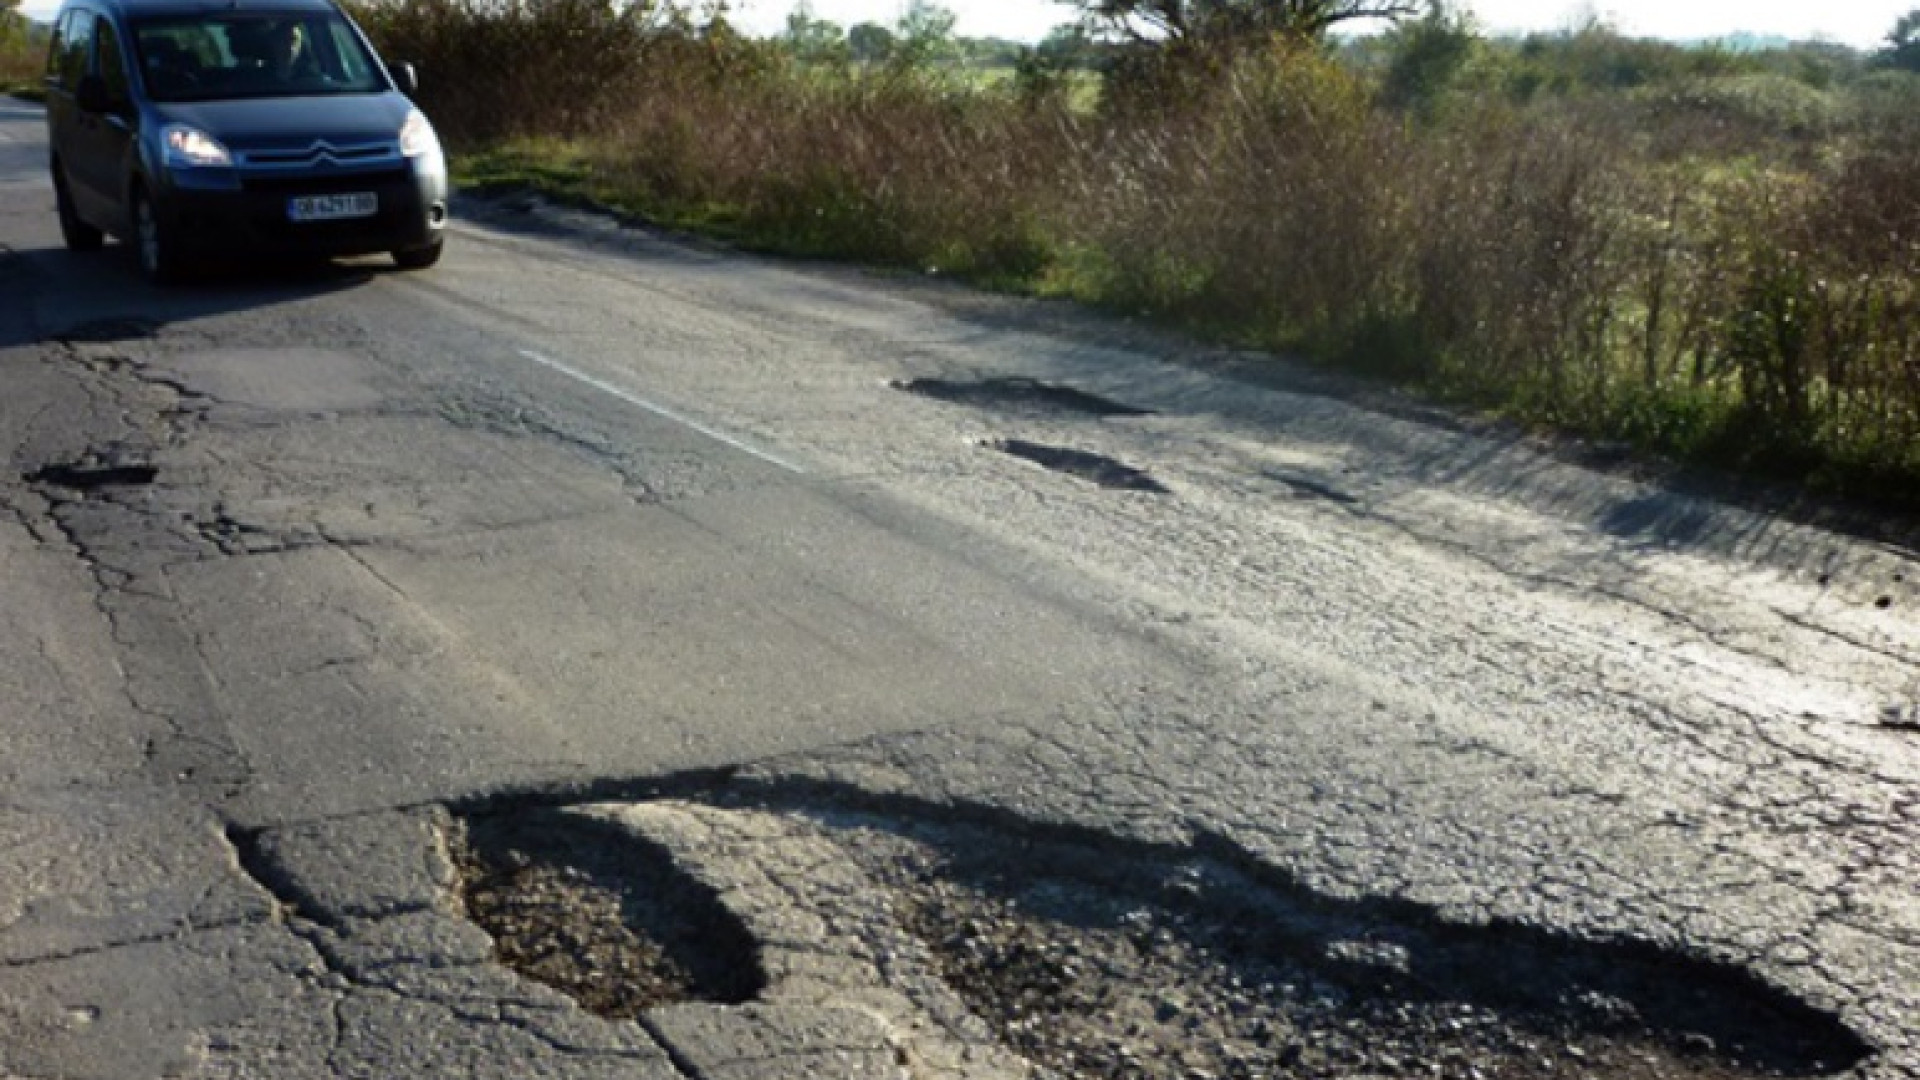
(198, 56)
(113, 68)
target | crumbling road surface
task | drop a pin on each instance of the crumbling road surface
(606, 657)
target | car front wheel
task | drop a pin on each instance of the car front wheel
(154, 242)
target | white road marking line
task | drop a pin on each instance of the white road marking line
(662, 411)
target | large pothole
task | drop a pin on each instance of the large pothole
(1102, 961)
(611, 923)
(1093, 957)
(92, 475)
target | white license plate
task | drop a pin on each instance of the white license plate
(333, 207)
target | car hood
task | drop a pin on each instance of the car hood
(272, 123)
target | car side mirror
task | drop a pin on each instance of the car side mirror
(92, 95)
(407, 79)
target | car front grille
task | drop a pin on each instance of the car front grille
(320, 154)
(329, 182)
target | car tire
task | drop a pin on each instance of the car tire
(154, 244)
(419, 258)
(78, 235)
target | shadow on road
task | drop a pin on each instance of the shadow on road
(51, 294)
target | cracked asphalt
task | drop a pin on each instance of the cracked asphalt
(300, 565)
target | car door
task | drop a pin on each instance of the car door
(104, 140)
(69, 61)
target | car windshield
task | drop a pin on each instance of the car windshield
(215, 55)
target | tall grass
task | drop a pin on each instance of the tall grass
(1725, 266)
(894, 168)
(495, 69)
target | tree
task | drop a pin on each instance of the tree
(1428, 55)
(1046, 70)
(924, 34)
(814, 41)
(1903, 44)
(1069, 44)
(1204, 22)
(870, 43)
(16, 42)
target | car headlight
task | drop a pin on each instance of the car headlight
(190, 147)
(417, 138)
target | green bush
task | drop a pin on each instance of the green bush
(1740, 111)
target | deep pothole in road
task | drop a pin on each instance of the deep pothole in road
(610, 923)
(1099, 958)
(93, 476)
(1019, 391)
(1099, 468)
(1103, 962)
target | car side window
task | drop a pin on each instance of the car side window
(113, 66)
(75, 44)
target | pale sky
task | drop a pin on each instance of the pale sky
(1860, 23)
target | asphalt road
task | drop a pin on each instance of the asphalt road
(293, 561)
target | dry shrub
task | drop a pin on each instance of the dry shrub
(1301, 203)
(1267, 196)
(1827, 329)
(894, 166)
(495, 69)
(1518, 262)
(1130, 206)
(1564, 260)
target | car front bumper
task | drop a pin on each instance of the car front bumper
(241, 214)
